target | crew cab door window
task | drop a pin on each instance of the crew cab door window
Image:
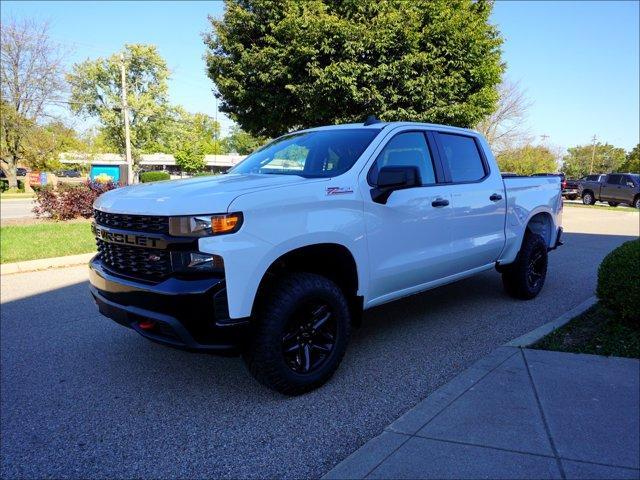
(406, 150)
(462, 157)
(614, 179)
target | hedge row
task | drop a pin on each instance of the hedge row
(619, 281)
(153, 176)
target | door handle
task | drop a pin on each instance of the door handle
(495, 197)
(440, 202)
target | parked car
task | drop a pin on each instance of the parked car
(69, 173)
(614, 188)
(20, 172)
(277, 259)
(570, 189)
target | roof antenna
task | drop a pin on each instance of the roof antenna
(371, 119)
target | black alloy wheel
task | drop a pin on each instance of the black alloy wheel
(537, 267)
(309, 337)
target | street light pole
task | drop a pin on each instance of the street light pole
(125, 109)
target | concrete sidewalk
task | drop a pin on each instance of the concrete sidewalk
(517, 413)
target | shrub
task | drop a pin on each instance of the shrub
(68, 200)
(619, 281)
(146, 177)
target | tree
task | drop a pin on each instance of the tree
(632, 162)
(31, 78)
(96, 91)
(504, 128)
(527, 160)
(585, 159)
(289, 64)
(189, 137)
(241, 142)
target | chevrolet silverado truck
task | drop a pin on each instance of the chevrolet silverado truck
(614, 188)
(277, 259)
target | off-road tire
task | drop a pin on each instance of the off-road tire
(264, 355)
(588, 199)
(613, 204)
(517, 277)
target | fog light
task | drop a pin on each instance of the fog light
(205, 261)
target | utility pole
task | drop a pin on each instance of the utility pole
(125, 110)
(593, 153)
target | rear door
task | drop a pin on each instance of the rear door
(611, 188)
(478, 201)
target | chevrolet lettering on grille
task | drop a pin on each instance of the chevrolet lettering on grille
(126, 238)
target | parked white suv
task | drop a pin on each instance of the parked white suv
(278, 258)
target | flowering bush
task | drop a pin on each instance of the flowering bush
(69, 201)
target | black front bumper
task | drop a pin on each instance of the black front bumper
(190, 314)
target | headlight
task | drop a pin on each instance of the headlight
(205, 225)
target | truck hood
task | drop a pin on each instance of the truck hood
(192, 196)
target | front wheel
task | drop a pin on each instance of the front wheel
(525, 277)
(588, 199)
(299, 335)
(636, 202)
(613, 204)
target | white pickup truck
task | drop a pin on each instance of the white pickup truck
(278, 258)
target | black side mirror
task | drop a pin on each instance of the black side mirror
(394, 178)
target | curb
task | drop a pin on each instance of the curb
(373, 452)
(45, 263)
(544, 330)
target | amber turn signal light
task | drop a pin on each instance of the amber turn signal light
(227, 223)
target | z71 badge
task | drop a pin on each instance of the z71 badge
(339, 190)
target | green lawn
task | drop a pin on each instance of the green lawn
(619, 208)
(45, 240)
(597, 331)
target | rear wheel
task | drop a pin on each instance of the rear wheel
(588, 199)
(636, 202)
(300, 334)
(613, 204)
(525, 277)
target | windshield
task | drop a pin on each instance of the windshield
(320, 153)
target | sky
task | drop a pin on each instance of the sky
(578, 62)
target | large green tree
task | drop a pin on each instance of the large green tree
(632, 162)
(241, 142)
(285, 64)
(96, 91)
(527, 160)
(585, 159)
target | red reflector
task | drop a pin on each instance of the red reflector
(146, 325)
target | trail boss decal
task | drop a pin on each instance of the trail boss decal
(113, 236)
(339, 190)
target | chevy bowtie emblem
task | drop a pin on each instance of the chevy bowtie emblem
(154, 258)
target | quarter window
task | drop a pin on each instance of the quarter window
(406, 150)
(462, 156)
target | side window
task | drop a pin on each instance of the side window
(406, 150)
(614, 179)
(462, 156)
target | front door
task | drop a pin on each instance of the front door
(408, 237)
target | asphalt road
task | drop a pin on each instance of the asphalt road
(84, 397)
(16, 208)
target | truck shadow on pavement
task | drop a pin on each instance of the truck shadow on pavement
(79, 391)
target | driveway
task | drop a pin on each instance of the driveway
(84, 397)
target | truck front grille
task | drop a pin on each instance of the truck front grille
(140, 262)
(137, 223)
